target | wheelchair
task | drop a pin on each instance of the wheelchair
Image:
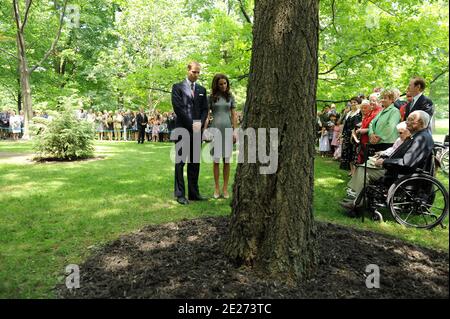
(416, 200)
(441, 151)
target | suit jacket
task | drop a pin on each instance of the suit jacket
(398, 103)
(140, 120)
(415, 152)
(187, 107)
(423, 104)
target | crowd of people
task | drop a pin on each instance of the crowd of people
(370, 130)
(125, 125)
(11, 125)
(109, 125)
(120, 125)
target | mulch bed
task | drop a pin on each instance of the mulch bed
(186, 260)
(66, 160)
(29, 158)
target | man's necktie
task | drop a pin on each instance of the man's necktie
(192, 89)
(414, 101)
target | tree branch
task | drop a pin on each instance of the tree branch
(17, 15)
(18, 20)
(438, 76)
(357, 55)
(27, 10)
(243, 76)
(333, 11)
(52, 48)
(6, 87)
(9, 53)
(247, 17)
(332, 101)
(332, 68)
(158, 89)
(13, 92)
(329, 80)
(376, 5)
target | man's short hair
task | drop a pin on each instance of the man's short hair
(418, 81)
(193, 63)
(423, 116)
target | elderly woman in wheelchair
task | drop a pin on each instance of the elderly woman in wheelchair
(407, 186)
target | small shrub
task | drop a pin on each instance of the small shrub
(65, 138)
(38, 125)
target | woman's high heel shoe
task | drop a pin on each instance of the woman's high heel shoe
(216, 196)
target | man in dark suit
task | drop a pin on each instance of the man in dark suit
(420, 102)
(415, 152)
(142, 121)
(190, 105)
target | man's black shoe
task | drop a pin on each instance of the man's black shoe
(182, 201)
(199, 198)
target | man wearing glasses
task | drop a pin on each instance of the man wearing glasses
(190, 105)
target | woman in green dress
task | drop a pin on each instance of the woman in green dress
(222, 107)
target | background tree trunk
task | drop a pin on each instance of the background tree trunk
(24, 70)
(25, 86)
(19, 95)
(272, 225)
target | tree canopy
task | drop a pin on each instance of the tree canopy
(127, 54)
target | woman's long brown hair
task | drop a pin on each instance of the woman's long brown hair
(215, 91)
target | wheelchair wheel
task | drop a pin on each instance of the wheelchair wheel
(443, 159)
(419, 201)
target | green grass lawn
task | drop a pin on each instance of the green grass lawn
(441, 127)
(54, 214)
(441, 131)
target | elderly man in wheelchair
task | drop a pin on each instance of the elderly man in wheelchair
(408, 187)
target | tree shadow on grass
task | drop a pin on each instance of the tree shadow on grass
(186, 260)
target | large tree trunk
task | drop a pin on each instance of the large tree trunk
(272, 225)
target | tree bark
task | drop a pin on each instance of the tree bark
(19, 96)
(272, 226)
(25, 85)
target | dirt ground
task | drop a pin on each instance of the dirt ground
(186, 260)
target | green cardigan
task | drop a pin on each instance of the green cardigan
(385, 123)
